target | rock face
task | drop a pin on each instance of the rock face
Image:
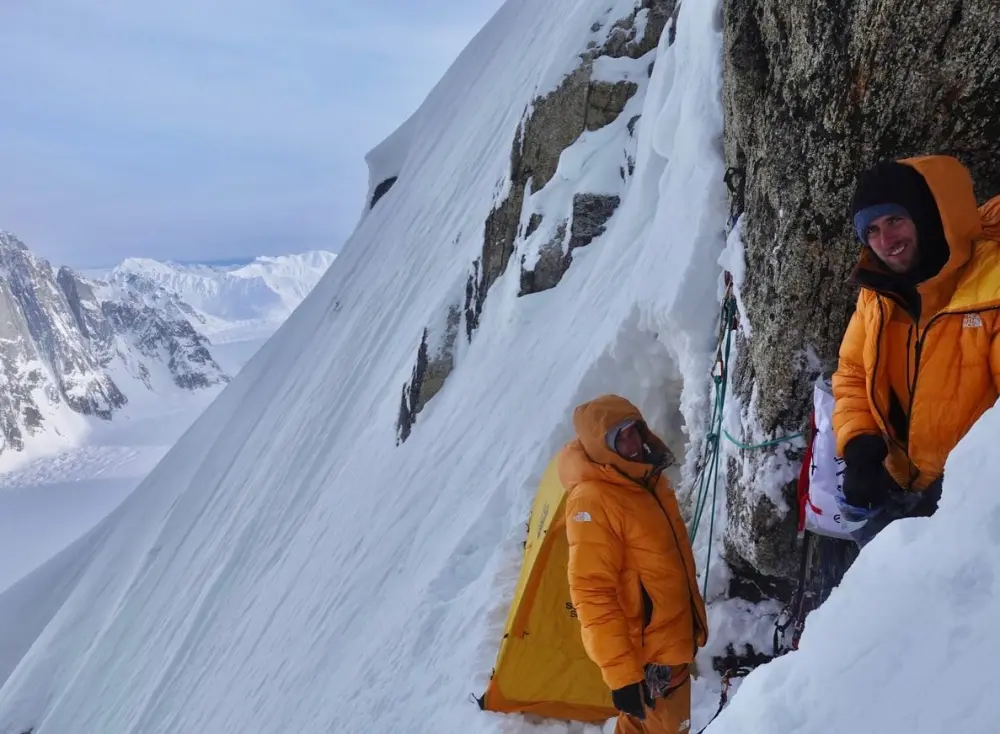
(90, 318)
(60, 333)
(24, 380)
(556, 121)
(624, 39)
(381, 190)
(815, 91)
(139, 321)
(590, 213)
(553, 262)
(435, 361)
(41, 319)
(551, 124)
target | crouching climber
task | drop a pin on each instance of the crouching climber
(920, 361)
(631, 568)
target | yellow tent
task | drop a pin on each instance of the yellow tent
(542, 668)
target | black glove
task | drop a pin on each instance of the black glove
(629, 699)
(867, 483)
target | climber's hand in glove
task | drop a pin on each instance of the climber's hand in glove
(630, 699)
(867, 483)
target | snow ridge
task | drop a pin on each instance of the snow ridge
(266, 289)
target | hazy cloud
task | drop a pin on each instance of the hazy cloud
(202, 129)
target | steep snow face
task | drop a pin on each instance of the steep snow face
(266, 289)
(288, 566)
(916, 612)
(48, 503)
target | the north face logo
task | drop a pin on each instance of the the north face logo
(971, 321)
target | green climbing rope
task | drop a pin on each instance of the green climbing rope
(712, 450)
(765, 444)
(708, 476)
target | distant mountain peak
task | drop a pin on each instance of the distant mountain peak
(76, 344)
(9, 239)
(267, 288)
(67, 341)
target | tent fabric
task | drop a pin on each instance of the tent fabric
(542, 667)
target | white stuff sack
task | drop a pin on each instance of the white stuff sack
(826, 473)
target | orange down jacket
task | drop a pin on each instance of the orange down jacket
(631, 570)
(945, 365)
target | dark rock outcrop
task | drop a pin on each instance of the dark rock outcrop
(533, 224)
(431, 368)
(381, 190)
(590, 215)
(815, 91)
(557, 120)
(552, 263)
(606, 101)
(623, 40)
(579, 104)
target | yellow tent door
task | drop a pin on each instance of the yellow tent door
(541, 667)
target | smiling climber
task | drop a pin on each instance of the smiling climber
(920, 361)
(631, 569)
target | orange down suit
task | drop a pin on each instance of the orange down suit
(631, 569)
(945, 366)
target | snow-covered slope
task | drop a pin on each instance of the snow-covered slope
(294, 563)
(266, 289)
(908, 641)
(48, 503)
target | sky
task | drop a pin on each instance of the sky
(206, 129)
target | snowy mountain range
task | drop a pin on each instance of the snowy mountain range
(265, 290)
(73, 346)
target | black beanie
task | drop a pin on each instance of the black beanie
(890, 182)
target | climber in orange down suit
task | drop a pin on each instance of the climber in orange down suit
(920, 361)
(631, 568)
